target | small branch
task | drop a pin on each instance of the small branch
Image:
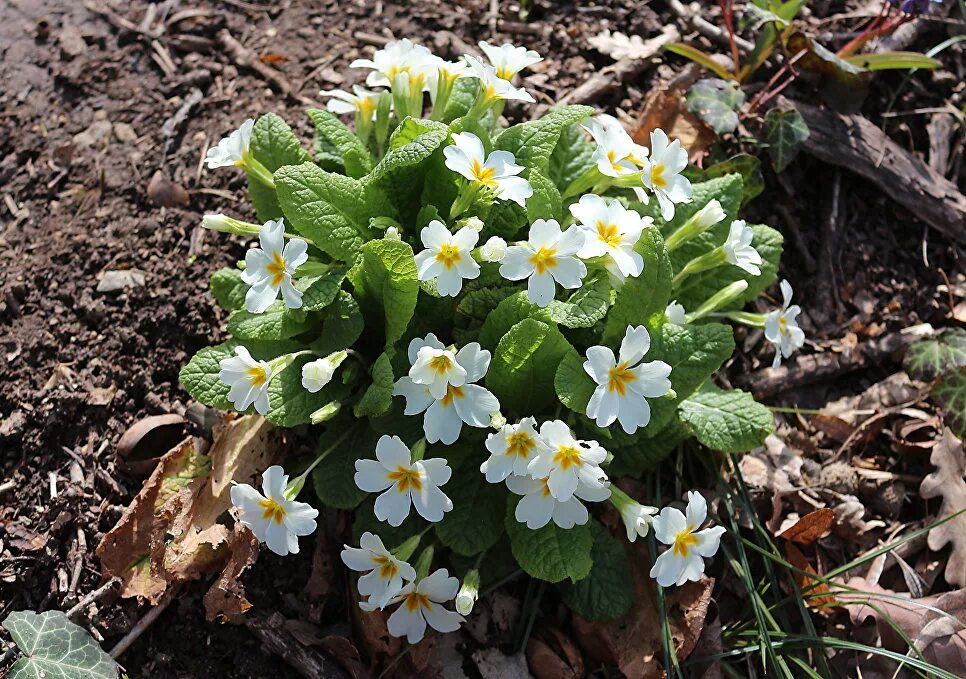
(245, 58)
(276, 639)
(706, 28)
(98, 594)
(143, 624)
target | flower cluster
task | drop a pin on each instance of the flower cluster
(494, 324)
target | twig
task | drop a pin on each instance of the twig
(245, 58)
(143, 624)
(276, 639)
(708, 29)
(98, 594)
(7, 485)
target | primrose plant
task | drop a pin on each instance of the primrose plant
(490, 326)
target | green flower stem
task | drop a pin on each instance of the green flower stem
(363, 125)
(629, 180)
(480, 106)
(296, 485)
(383, 112)
(419, 450)
(259, 171)
(619, 498)
(582, 183)
(404, 551)
(236, 226)
(468, 193)
(724, 296)
(424, 563)
(687, 231)
(444, 88)
(708, 260)
(743, 317)
(312, 268)
(400, 95)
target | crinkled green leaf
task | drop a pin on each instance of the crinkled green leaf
(477, 305)
(400, 172)
(291, 404)
(785, 132)
(274, 145)
(504, 218)
(522, 370)
(276, 323)
(930, 358)
(585, 307)
(319, 292)
(355, 156)
(716, 102)
(571, 157)
(950, 393)
(333, 479)
(508, 313)
(532, 142)
(55, 648)
(545, 203)
(746, 165)
(476, 521)
(327, 208)
(342, 325)
(550, 553)
(200, 376)
(642, 297)
(386, 285)
(728, 191)
(645, 454)
(573, 385)
(607, 593)
(378, 396)
(731, 421)
(229, 289)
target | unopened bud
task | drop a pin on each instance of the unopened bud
(493, 250)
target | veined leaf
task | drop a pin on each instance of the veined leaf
(700, 58)
(882, 61)
(56, 648)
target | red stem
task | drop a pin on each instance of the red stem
(727, 15)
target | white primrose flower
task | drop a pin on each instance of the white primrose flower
(624, 386)
(547, 257)
(447, 71)
(406, 483)
(567, 463)
(360, 100)
(637, 518)
(465, 403)
(507, 59)
(269, 269)
(421, 604)
(675, 313)
(384, 572)
(610, 229)
(493, 249)
(233, 149)
(496, 172)
(316, 374)
(781, 327)
(397, 58)
(739, 250)
(494, 87)
(538, 506)
(248, 380)
(615, 152)
(662, 175)
(684, 560)
(447, 259)
(275, 520)
(512, 449)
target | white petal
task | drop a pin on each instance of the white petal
(562, 484)
(516, 189)
(277, 539)
(442, 619)
(516, 264)
(569, 272)
(697, 510)
(392, 507)
(392, 452)
(371, 476)
(475, 361)
(417, 396)
(442, 424)
(570, 513)
(476, 406)
(541, 288)
(668, 524)
(431, 503)
(535, 509)
(599, 362)
(708, 540)
(668, 568)
(411, 625)
(357, 559)
(439, 586)
(635, 344)
(544, 233)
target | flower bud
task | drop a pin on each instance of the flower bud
(317, 374)
(325, 413)
(497, 421)
(493, 250)
(469, 593)
(392, 233)
(675, 313)
(474, 223)
(218, 222)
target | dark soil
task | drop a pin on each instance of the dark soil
(88, 118)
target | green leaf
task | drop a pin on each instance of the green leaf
(355, 155)
(716, 102)
(930, 358)
(291, 404)
(378, 397)
(508, 313)
(608, 592)
(476, 520)
(274, 145)
(319, 292)
(550, 553)
(585, 307)
(522, 371)
(731, 421)
(200, 376)
(644, 455)
(785, 132)
(400, 173)
(573, 385)
(461, 98)
(571, 157)
(700, 58)
(881, 61)
(545, 203)
(950, 393)
(641, 298)
(55, 648)
(276, 323)
(477, 305)
(504, 218)
(333, 479)
(329, 209)
(342, 325)
(746, 165)
(727, 190)
(229, 289)
(532, 142)
(386, 285)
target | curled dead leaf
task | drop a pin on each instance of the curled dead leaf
(551, 654)
(226, 598)
(810, 527)
(815, 592)
(947, 482)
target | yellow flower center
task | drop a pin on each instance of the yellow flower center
(448, 255)
(484, 175)
(505, 73)
(272, 510)
(452, 393)
(783, 325)
(608, 234)
(612, 159)
(387, 567)
(277, 269)
(441, 364)
(619, 377)
(657, 176)
(367, 106)
(683, 541)
(543, 259)
(520, 445)
(406, 478)
(415, 601)
(257, 375)
(567, 457)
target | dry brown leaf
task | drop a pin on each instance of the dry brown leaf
(810, 527)
(226, 598)
(664, 108)
(947, 481)
(552, 655)
(24, 539)
(815, 587)
(775, 466)
(347, 655)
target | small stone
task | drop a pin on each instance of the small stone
(97, 134)
(166, 193)
(120, 279)
(125, 133)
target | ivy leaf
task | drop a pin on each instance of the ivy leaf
(522, 371)
(550, 553)
(334, 478)
(532, 142)
(731, 421)
(228, 288)
(377, 399)
(608, 592)
(950, 393)
(55, 648)
(400, 173)
(573, 385)
(476, 520)
(291, 404)
(342, 325)
(585, 307)
(355, 156)
(327, 208)
(642, 297)
(274, 145)
(716, 102)
(571, 157)
(930, 358)
(785, 132)
(278, 322)
(386, 285)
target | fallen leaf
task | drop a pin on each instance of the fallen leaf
(810, 527)
(947, 482)
(226, 598)
(142, 445)
(664, 108)
(347, 655)
(493, 664)
(551, 654)
(273, 58)
(774, 466)
(618, 46)
(812, 588)
(166, 193)
(24, 539)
